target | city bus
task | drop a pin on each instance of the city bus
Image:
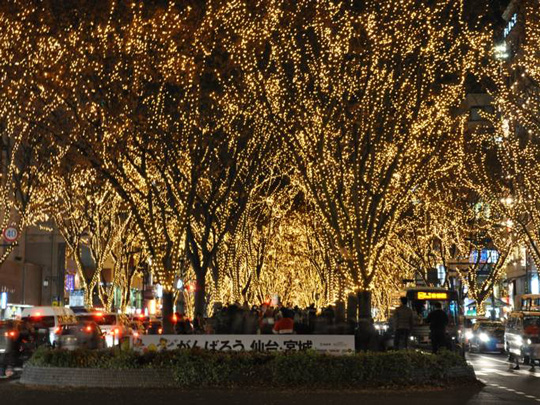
(421, 300)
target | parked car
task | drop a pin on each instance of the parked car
(521, 336)
(48, 320)
(487, 336)
(86, 334)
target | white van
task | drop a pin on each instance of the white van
(522, 336)
(114, 326)
(51, 318)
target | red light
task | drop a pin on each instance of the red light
(174, 318)
(99, 314)
(57, 330)
(116, 331)
(12, 333)
(160, 331)
(37, 314)
(89, 329)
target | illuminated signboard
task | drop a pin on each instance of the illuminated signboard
(511, 24)
(424, 295)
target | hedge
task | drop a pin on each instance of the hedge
(296, 369)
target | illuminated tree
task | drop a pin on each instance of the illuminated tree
(88, 214)
(364, 95)
(278, 249)
(66, 206)
(129, 262)
(26, 164)
(508, 153)
(155, 100)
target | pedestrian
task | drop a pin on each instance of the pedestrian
(403, 324)
(183, 325)
(437, 320)
(267, 321)
(199, 324)
(285, 325)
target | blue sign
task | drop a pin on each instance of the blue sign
(3, 300)
(486, 256)
(511, 24)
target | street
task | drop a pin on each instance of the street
(502, 386)
(499, 377)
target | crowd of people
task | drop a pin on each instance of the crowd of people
(264, 319)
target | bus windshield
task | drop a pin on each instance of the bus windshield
(422, 308)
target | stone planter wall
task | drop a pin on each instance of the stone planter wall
(93, 377)
(160, 378)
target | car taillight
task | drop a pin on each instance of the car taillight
(57, 330)
(11, 334)
(89, 329)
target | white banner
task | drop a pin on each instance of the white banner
(330, 344)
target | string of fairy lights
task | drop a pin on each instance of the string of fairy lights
(263, 147)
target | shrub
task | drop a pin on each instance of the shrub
(296, 369)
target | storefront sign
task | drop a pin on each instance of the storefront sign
(76, 298)
(330, 344)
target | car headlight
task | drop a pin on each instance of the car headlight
(469, 334)
(483, 337)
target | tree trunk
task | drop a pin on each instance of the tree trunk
(364, 304)
(480, 310)
(167, 312)
(200, 292)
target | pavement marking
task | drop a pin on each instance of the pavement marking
(489, 370)
(521, 393)
(492, 359)
(505, 373)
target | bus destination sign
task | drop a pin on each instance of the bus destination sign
(430, 295)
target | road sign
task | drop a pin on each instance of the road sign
(10, 234)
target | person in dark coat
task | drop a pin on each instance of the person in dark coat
(437, 320)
